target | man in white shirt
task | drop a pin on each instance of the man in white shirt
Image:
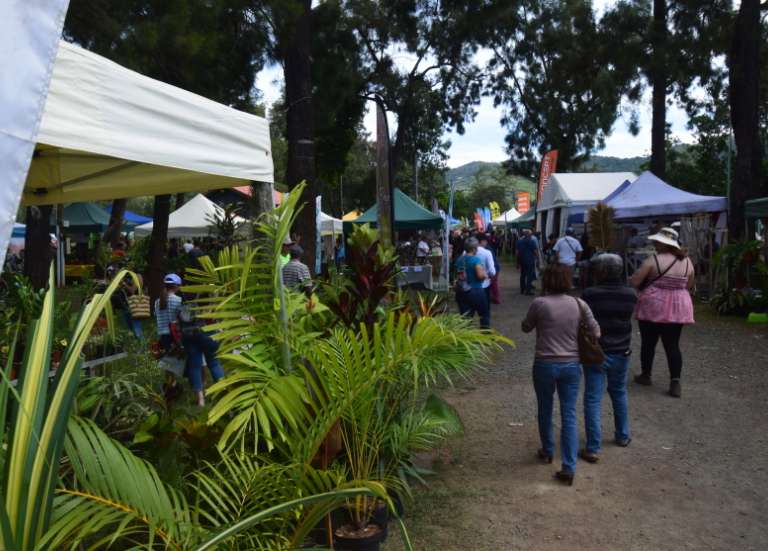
(568, 249)
(422, 250)
(486, 257)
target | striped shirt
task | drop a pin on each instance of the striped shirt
(613, 305)
(296, 275)
(167, 316)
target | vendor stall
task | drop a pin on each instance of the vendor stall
(409, 215)
(195, 218)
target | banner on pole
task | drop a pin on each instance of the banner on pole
(523, 202)
(548, 167)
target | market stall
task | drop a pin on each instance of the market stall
(195, 218)
(409, 215)
(568, 197)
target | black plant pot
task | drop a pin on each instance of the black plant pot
(369, 543)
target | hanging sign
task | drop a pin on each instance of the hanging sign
(548, 167)
(523, 202)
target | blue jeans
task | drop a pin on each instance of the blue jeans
(614, 369)
(133, 324)
(476, 302)
(565, 377)
(527, 276)
(196, 347)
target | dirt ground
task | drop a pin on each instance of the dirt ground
(694, 477)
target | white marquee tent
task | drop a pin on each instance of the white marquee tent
(192, 219)
(572, 194)
(509, 216)
(330, 225)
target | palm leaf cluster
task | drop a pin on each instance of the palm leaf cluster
(600, 220)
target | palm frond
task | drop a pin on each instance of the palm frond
(115, 496)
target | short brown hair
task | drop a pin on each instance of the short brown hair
(557, 279)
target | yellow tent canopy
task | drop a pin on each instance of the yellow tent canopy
(351, 215)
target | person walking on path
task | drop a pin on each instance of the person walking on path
(568, 250)
(527, 256)
(489, 263)
(470, 295)
(296, 274)
(664, 305)
(556, 317)
(493, 286)
(612, 302)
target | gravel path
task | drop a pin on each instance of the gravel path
(695, 476)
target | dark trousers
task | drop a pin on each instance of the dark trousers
(527, 276)
(476, 301)
(650, 332)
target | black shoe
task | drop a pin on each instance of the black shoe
(544, 456)
(623, 443)
(565, 477)
(643, 379)
(589, 457)
(674, 388)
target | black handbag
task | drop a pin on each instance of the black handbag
(590, 352)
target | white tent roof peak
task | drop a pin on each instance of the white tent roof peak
(507, 216)
(581, 188)
(192, 219)
(109, 132)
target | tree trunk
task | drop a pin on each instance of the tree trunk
(262, 199)
(116, 220)
(383, 179)
(300, 128)
(37, 246)
(744, 95)
(158, 246)
(181, 198)
(659, 81)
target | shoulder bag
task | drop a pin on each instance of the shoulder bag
(590, 352)
(138, 306)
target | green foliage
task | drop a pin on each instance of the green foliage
(600, 221)
(226, 225)
(137, 255)
(553, 71)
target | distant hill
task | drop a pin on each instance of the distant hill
(464, 175)
(600, 163)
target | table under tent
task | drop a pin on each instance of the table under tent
(648, 203)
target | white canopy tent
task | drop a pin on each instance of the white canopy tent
(573, 194)
(192, 219)
(330, 225)
(109, 132)
(508, 216)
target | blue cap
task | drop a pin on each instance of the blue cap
(172, 279)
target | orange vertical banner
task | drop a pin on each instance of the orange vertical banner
(523, 202)
(548, 167)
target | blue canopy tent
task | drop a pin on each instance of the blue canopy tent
(131, 218)
(649, 196)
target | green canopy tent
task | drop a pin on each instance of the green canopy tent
(756, 208)
(525, 221)
(409, 215)
(85, 218)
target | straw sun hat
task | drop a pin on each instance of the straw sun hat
(666, 236)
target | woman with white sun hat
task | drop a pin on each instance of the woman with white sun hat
(664, 305)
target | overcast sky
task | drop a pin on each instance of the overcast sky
(483, 139)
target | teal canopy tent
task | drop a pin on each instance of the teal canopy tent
(525, 221)
(409, 215)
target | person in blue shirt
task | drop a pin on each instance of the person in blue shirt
(527, 255)
(471, 274)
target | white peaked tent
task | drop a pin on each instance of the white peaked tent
(573, 194)
(330, 225)
(508, 216)
(108, 132)
(192, 219)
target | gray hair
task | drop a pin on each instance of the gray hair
(471, 244)
(607, 268)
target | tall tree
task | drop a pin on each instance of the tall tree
(38, 253)
(744, 72)
(116, 221)
(210, 47)
(553, 72)
(658, 78)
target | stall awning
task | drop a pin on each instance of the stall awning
(756, 208)
(409, 215)
(195, 218)
(109, 132)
